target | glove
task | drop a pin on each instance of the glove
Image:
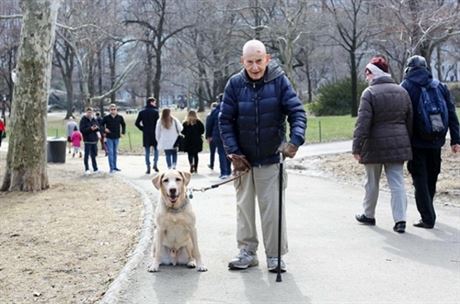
(240, 163)
(289, 150)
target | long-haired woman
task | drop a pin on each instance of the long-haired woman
(193, 143)
(167, 129)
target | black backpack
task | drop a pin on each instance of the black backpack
(432, 111)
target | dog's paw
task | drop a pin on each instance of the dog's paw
(191, 264)
(153, 268)
(202, 268)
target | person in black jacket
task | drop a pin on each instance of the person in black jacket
(91, 134)
(252, 124)
(193, 129)
(213, 136)
(146, 122)
(114, 127)
(426, 162)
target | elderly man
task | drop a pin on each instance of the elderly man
(252, 121)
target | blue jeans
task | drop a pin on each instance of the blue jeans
(112, 146)
(147, 156)
(224, 162)
(212, 152)
(90, 151)
(171, 158)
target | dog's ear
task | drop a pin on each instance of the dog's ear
(187, 176)
(156, 181)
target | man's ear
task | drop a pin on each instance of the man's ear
(156, 181)
(241, 60)
(268, 57)
(187, 176)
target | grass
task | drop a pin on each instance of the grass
(319, 129)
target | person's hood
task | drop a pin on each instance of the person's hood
(420, 76)
(273, 71)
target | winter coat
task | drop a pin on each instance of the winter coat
(252, 117)
(212, 125)
(384, 125)
(193, 141)
(76, 138)
(146, 122)
(167, 137)
(113, 123)
(413, 81)
(71, 124)
(89, 136)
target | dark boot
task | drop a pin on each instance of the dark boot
(148, 170)
(192, 169)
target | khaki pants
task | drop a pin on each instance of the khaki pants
(263, 183)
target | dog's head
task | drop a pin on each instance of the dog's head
(172, 185)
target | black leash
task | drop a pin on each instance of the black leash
(203, 189)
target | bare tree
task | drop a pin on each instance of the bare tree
(26, 158)
(353, 32)
(154, 16)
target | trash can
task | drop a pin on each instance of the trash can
(56, 148)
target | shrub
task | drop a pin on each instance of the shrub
(335, 98)
(455, 93)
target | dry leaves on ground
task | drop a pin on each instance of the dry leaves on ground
(346, 169)
(66, 244)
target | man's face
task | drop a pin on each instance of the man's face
(113, 111)
(89, 114)
(255, 63)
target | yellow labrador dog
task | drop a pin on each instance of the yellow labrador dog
(175, 238)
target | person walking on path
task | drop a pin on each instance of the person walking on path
(146, 122)
(90, 130)
(381, 139)
(2, 130)
(167, 130)
(426, 163)
(252, 122)
(212, 145)
(70, 126)
(193, 130)
(213, 136)
(114, 128)
(76, 138)
(102, 139)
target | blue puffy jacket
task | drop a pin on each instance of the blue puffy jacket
(413, 81)
(252, 119)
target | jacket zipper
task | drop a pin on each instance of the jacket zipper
(256, 96)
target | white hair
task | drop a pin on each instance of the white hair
(254, 45)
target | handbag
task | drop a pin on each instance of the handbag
(180, 140)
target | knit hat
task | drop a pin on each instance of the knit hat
(380, 62)
(378, 67)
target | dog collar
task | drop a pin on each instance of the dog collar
(177, 210)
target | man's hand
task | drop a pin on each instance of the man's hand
(289, 150)
(357, 157)
(240, 163)
(455, 148)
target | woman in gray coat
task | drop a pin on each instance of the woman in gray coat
(381, 139)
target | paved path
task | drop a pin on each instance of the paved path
(332, 258)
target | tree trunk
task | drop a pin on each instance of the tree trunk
(26, 158)
(354, 85)
(157, 79)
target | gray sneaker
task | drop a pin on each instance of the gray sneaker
(272, 264)
(243, 260)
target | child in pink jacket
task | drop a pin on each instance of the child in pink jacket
(76, 139)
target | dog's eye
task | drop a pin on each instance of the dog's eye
(165, 180)
(178, 179)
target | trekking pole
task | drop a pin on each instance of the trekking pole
(280, 219)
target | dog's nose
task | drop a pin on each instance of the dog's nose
(172, 191)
